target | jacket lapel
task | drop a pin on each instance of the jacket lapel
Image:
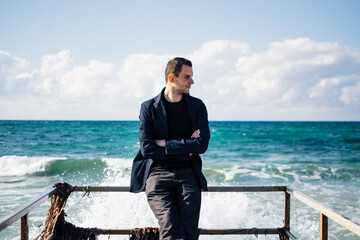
(161, 112)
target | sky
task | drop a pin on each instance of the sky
(253, 60)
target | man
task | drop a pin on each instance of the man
(173, 131)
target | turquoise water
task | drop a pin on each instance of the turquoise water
(321, 159)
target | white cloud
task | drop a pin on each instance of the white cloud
(295, 79)
(11, 73)
(86, 81)
(351, 95)
(142, 75)
(55, 65)
(324, 87)
(284, 74)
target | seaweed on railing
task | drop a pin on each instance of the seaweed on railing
(148, 233)
(56, 226)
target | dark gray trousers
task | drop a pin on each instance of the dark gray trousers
(175, 199)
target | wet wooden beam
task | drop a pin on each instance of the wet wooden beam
(16, 215)
(24, 227)
(328, 212)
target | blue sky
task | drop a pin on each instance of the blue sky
(253, 60)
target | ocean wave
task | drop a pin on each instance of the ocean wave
(12, 165)
(24, 165)
(278, 173)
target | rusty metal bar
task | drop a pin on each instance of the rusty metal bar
(323, 227)
(210, 189)
(24, 227)
(287, 213)
(243, 231)
(240, 231)
(290, 235)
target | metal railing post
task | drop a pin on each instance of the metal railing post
(24, 227)
(287, 214)
(323, 227)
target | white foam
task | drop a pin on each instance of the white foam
(230, 173)
(24, 165)
(117, 171)
(118, 162)
(116, 210)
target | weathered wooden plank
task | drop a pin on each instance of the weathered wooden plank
(16, 215)
(330, 213)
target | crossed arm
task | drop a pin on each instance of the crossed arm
(161, 143)
(153, 147)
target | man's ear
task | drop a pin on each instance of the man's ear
(171, 77)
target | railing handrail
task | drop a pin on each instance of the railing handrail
(330, 213)
(20, 212)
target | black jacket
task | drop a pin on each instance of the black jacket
(153, 125)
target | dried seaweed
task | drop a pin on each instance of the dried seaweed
(56, 227)
(144, 234)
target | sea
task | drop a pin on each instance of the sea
(319, 159)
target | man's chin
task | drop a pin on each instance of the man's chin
(184, 91)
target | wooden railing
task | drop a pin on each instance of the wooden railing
(284, 231)
(325, 214)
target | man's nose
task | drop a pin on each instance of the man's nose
(192, 81)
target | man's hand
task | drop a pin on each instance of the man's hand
(160, 143)
(196, 134)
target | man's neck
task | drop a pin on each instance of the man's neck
(171, 95)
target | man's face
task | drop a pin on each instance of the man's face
(183, 83)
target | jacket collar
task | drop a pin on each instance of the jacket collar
(158, 99)
(160, 106)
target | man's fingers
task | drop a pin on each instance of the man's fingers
(196, 134)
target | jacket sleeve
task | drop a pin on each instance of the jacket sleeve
(148, 147)
(192, 145)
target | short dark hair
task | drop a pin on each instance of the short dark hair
(174, 66)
